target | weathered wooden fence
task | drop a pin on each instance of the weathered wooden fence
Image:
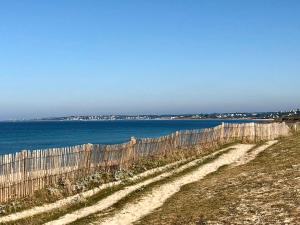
(295, 126)
(22, 173)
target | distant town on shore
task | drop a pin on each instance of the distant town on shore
(280, 115)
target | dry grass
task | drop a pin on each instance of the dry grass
(60, 190)
(43, 196)
(135, 196)
(264, 191)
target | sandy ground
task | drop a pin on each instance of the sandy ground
(66, 201)
(264, 191)
(252, 154)
(117, 196)
(134, 211)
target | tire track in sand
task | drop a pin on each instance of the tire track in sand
(134, 211)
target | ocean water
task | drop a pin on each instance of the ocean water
(16, 136)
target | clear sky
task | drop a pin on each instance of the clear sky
(156, 56)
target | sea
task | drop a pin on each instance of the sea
(31, 135)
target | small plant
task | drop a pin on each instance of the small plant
(54, 192)
(2, 209)
(10, 207)
(14, 206)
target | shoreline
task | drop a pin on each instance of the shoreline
(214, 119)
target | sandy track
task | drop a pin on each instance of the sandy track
(75, 198)
(134, 211)
(252, 154)
(117, 196)
(240, 157)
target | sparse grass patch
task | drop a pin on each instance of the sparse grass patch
(143, 191)
(264, 191)
(139, 167)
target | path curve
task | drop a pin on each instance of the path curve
(75, 198)
(117, 196)
(135, 211)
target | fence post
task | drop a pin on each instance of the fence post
(176, 139)
(222, 133)
(131, 152)
(88, 149)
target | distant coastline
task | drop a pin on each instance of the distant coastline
(204, 119)
(260, 116)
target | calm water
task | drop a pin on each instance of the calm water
(15, 136)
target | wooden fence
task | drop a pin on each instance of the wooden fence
(22, 173)
(295, 126)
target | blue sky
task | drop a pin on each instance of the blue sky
(156, 56)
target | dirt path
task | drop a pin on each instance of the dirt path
(75, 198)
(252, 154)
(262, 191)
(117, 196)
(134, 211)
(238, 155)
